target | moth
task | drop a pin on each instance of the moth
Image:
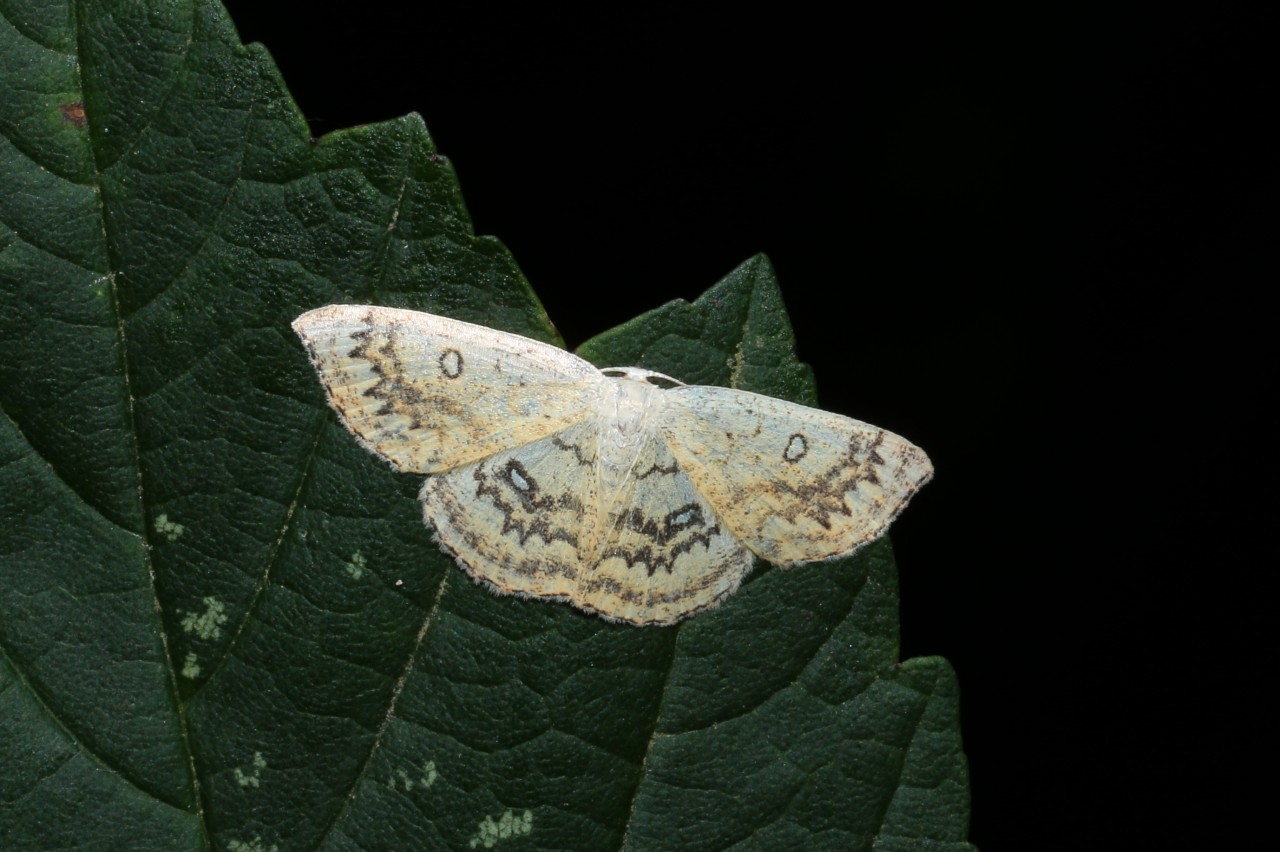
(621, 491)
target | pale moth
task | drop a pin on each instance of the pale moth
(621, 491)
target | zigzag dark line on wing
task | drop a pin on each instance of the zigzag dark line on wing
(486, 487)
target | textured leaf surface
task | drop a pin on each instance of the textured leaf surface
(223, 624)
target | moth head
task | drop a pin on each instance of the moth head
(649, 377)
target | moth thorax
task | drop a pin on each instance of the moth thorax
(627, 410)
(630, 403)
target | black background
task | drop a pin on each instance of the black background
(1038, 249)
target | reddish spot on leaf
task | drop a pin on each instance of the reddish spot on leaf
(74, 113)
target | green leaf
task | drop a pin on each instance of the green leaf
(224, 625)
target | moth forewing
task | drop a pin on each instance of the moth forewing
(793, 483)
(431, 394)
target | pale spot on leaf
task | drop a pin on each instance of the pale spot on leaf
(207, 624)
(491, 832)
(403, 780)
(167, 528)
(251, 777)
(254, 845)
(355, 568)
